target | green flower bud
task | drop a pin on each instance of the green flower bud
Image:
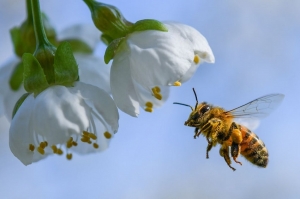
(108, 19)
(23, 37)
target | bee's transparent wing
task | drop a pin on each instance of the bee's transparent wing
(258, 108)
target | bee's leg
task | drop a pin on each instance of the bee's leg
(209, 146)
(224, 152)
(235, 151)
(237, 138)
(197, 132)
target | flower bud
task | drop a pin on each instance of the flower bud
(23, 37)
(109, 20)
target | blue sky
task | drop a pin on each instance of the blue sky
(256, 45)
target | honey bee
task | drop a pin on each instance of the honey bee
(219, 127)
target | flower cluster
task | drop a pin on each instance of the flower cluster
(59, 103)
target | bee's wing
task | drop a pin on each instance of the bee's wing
(258, 108)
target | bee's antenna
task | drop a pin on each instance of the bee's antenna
(183, 105)
(196, 98)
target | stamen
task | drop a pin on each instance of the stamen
(177, 83)
(59, 152)
(107, 135)
(41, 150)
(148, 109)
(70, 143)
(42, 145)
(74, 143)
(158, 96)
(46, 143)
(31, 147)
(85, 139)
(149, 104)
(54, 148)
(85, 133)
(196, 59)
(69, 156)
(95, 145)
(156, 89)
(93, 136)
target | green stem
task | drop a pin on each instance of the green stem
(29, 11)
(41, 38)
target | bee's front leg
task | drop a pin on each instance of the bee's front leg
(197, 132)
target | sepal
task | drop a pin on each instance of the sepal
(19, 103)
(111, 49)
(65, 66)
(34, 78)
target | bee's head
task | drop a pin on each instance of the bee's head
(196, 116)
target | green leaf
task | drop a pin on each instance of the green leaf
(34, 77)
(79, 46)
(112, 49)
(149, 24)
(19, 103)
(65, 66)
(16, 77)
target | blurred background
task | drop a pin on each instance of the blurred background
(256, 45)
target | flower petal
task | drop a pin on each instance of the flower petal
(122, 88)
(56, 118)
(101, 101)
(197, 40)
(21, 134)
(160, 59)
(93, 70)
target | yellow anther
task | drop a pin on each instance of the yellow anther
(148, 109)
(74, 143)
(177, 83)
(95, 145)
(85, 133)
(196, 59)
(149, 104)
(59, 152)
(156, 89)
(54, 148)
(69, 156)
(158, 96)
(93, 136)
(46, 143)
(107, 135)
(31, 147)
(89, 142)
(69, 144)
(42, 145)
(85, 139)
(40, 150)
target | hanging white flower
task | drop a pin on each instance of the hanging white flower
(88, 64)
(61, 120)
(147, 62)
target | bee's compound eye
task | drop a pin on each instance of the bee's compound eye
(204, 109)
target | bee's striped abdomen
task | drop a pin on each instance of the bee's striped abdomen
(253, 149)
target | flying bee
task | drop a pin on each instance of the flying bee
(219, 127)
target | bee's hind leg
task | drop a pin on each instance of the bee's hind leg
(224, 152)
(235, 151)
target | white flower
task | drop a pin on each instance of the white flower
(153, 60)
(63, 119)
(89, 70)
